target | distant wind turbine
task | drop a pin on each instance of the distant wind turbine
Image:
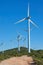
(1, 44)
(24, 40)
(29, 21)
(18, 39)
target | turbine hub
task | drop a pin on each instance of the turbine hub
(28, 17)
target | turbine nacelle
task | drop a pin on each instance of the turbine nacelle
(28, 18)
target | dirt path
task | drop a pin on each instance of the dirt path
(23, 60)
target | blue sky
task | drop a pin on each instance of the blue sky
(13, 10)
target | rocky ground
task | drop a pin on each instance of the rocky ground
(23, 60)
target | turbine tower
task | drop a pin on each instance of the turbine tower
(29, 21)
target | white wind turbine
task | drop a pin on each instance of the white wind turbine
(29, 21)
(18, 39)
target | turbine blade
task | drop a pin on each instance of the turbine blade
(28, 10)
(20, 20)
(33, 23)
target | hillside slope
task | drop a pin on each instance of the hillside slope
(37, 55)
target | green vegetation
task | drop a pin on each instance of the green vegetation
(36, 54)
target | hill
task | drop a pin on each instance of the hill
(37, 55)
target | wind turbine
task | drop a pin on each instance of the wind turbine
(2, 45)
(29, 21)
(24, 40)
(18, 39)
(11, 42)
